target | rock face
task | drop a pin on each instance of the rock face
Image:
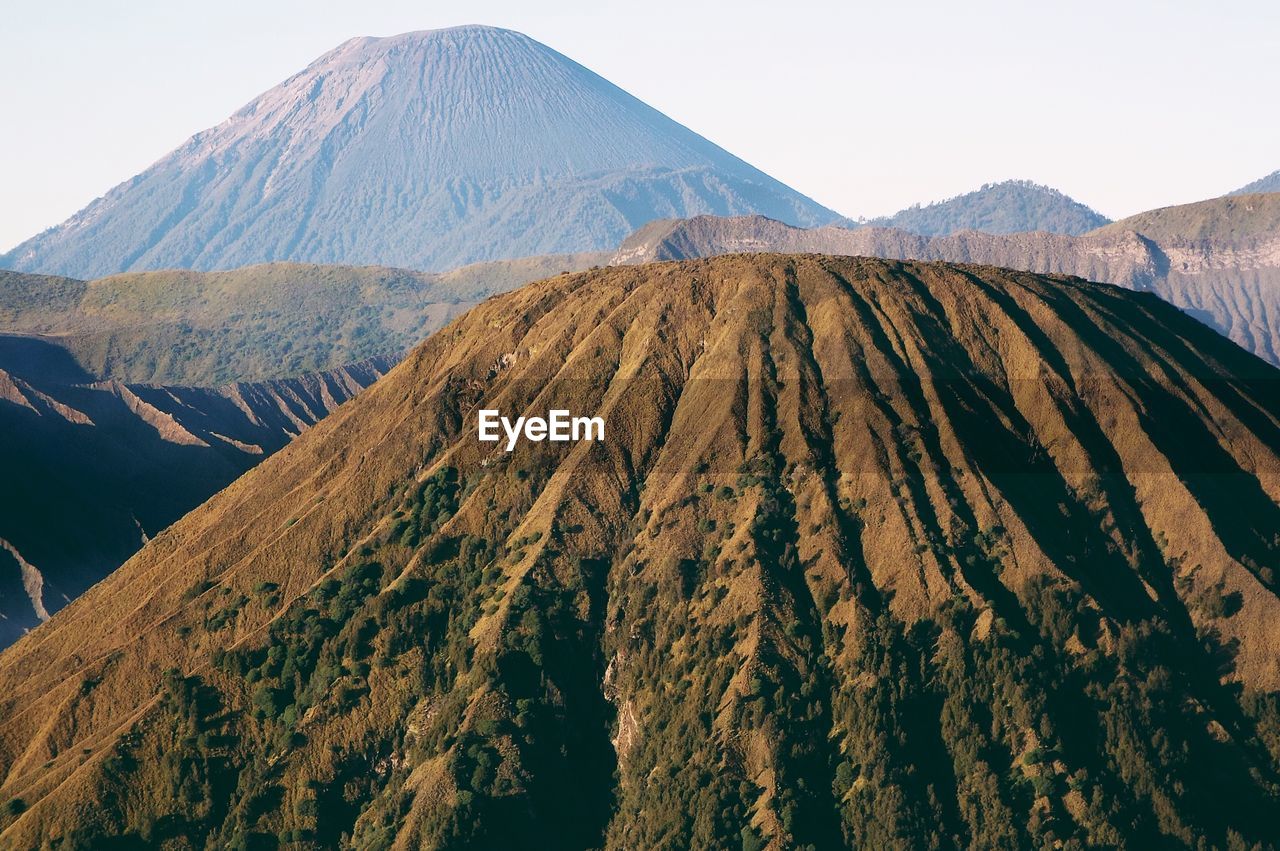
(94, 468)
(1218, 260)
(426, 150)
(874, 554)
(1014, 206)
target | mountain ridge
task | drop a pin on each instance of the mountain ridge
(1219, 259)
(254, 323)
(1270, 183)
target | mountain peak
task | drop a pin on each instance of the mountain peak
(483, 36)
(423, 150)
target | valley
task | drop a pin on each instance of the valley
(96, 468)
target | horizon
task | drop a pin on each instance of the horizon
(105, 79)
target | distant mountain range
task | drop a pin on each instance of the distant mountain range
(427, 150)
(875, 555)
(1014, 206)
(1219, 259)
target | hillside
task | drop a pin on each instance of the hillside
(96, 468)
(1236, 220)
(1218, 260)
(874, 554)
(426, 150)
(252, 324)
(1270, 183)
(1013, 206)
(127, 401)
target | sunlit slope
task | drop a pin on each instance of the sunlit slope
(874, 553)
(425, 150)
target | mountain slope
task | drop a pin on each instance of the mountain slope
(252, 324)
(95, 468)
(426, 150)
(1218, 260)
(1014, 206)
(875, 554)
(1241, 221)
(1270, 183)
(101, 456)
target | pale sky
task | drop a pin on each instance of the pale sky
(866, 107)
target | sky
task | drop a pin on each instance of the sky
(866, 107)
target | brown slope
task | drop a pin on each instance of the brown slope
(1237, 220)
(1219, 260)
(91, 485)
(805, 457)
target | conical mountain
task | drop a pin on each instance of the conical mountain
(425, 150)
(872, 554)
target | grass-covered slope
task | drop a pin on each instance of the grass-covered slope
(1237, 220)
(256, 323)
(874, 554)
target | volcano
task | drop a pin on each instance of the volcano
(425, 150)
(872, 554)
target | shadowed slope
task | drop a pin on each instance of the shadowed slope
(95, 468)
(873, 553)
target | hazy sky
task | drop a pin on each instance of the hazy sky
(867, 107)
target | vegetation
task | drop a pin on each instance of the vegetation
(259, 322)
(1014, 206)
(783, 610)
